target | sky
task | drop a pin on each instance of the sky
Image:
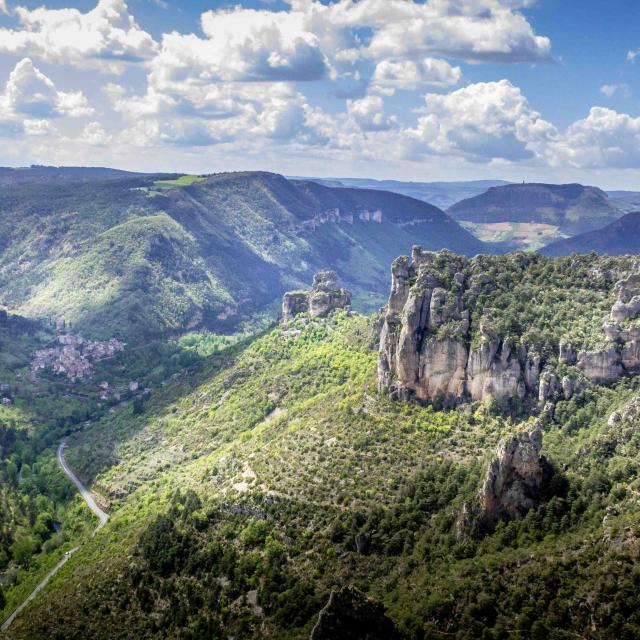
(534, 90)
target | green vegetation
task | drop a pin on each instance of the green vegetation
(182, 181)
(273, 472)
(129, 259)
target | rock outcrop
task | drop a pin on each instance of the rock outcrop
(438, 342)
(622, 332)
(427, 350)
(324, 297)
(350, 615)
(514, 478)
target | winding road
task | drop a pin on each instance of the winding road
(97, 511)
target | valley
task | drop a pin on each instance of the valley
(277, 456)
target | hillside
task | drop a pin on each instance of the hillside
(145, 256)
(276, 472)
(39, 174)
(564, 209)
(439, 194)
(618, 238)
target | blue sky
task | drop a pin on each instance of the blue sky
(432, 90)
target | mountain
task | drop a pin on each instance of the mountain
(440, 194)
(618, 238)
(272, 490)
(568, 208)
(58, 175)
(148, 255)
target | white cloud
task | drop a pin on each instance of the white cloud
(609, 90)
(481, 122)
(31, 94)
(632, 55)
(411, 74)
(605, 138)
(368, 114)
(472, 30)
(94, 134)
(243, 45)
(106, 38)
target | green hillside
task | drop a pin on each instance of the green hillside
(274, 471)
(146, 256)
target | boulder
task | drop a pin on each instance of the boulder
(350, 615)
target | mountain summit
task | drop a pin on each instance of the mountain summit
(572, 208)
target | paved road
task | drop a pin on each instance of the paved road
(84, 492)
(91, 503)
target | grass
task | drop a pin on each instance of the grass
(182, 181)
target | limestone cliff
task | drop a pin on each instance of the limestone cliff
(427, 351)
(324, 297)
(439, 342)
(514, 478)
(622, 332)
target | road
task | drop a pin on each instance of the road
(84, 492)
(97, 511)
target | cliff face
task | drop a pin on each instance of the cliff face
(426, 351)
(324, 297)
(513, 480)
(622, 331)
(438, 341)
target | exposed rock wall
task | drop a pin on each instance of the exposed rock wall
(430, 352)
(622, 355)
(426, 351)
(324, 297)
(514, 478)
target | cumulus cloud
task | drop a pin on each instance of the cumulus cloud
(105, 38)
(411, 74)
(243, 45)
(605, 138)
(31, 94)
(94, 134)
(368, 114)
(481, 122)
(472, 30)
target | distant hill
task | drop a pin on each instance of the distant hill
(440, 194)
(142, 256)
(572, 208)
(621, 237)
(58, 175)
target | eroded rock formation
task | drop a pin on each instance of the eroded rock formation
(350, 615)
(514, 478)
(427, 349)
(324, 297)
(432, 350)
(622, 331)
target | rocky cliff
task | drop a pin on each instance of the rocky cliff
(324, 297)
(440, 340)
(514, 478)
(621, 355)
